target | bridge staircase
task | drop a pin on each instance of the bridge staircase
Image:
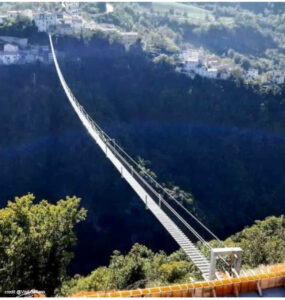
(155, 197)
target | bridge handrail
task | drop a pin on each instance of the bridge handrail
(157, 184)
(120, 153)
(134, 171)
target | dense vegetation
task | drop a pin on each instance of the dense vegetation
(251, 35)
(140, 267)
(35, 242)
(221, 141)
(263, 243)
(23, 27)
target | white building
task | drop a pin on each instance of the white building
(67, 19)
(13, 13)
(277, 77)
(45, 20)
(252, 73)
(212, 63)
(3, 18)
(109, 8)
(191, 53)
(191, 64)
(9, 58)
(212, 73)
(129, 38)
(207, 72)
(65, 29)
(202, 71)
(23, 43)
(10, 48)
(77, 25)
(71, 7)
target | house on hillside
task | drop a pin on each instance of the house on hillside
(71, 7)
(13, 13)
(252, 73)
(129, 38)
(65, 29)
(10, 54)
(207, 72)
(277, 77)
(3, 18)
(8, 58)
(21, 42)
(191, 64)
(45, 20)
(77, 24)
(10, 48)
(212, 73)
(212, 62)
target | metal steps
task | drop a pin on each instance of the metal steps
(118, 161)
(190, 249)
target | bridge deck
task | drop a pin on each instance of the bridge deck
(134, 179)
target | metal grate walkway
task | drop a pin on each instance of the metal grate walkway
(153, 200)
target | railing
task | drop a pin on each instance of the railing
(156, 191)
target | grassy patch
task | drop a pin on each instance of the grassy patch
(191, 10)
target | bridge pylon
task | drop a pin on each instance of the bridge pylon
(235, 253)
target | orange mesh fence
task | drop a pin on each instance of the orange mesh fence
(273, 277)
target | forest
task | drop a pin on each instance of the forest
(38, 238)
(250, 34)
(220, 141)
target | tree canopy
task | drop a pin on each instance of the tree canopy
(262, 243)
(140, 267)
(36, 241)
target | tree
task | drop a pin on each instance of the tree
(137, 269)
(262, 243)
(237, 58)
(35, 242)
(101, 6)
(231, 53)
(245, 62)
(130, 269)
(98, 280)
(174, 272)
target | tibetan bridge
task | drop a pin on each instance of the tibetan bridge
(160, 201)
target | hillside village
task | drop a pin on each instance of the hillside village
(197, 62)
(18, 51)
(15, 50)
(69, 21)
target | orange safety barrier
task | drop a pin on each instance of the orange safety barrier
(274, 276)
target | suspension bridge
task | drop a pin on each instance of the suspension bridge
(158, 199)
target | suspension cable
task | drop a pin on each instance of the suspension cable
(117, 149)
